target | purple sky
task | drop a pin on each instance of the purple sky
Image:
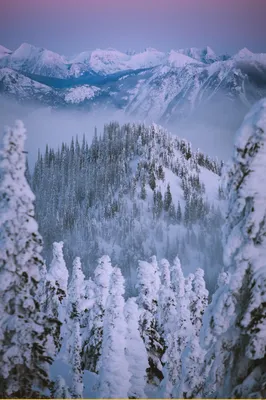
(71, 26)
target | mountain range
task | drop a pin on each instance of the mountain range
(186, 84)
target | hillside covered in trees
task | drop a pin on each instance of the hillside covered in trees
(71, 327)
(135, 192)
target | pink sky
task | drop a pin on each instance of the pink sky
(71, 26)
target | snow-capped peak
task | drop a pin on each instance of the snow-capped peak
(179, 60)
(205, 54)
(28, 51)
(25, 50)
(110, 60)
(244, 53)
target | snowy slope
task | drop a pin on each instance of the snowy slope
(205, 55)
(22, 87)
(80, 93)
(39, 61)
(179, 60)
(110, 61)
(246, 55)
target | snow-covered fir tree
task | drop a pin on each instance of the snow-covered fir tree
(60, 389)
(192, 359)
(76, 293)
(199, 300)
(24, 331)
(136, 354)
(74, 349)
(235, 323)
(53, 293)
(164, 292)
(183, 326)
(58, 273)
(93, 339)
(114, 375)
(192, 376)
(87, 305)
(148, 285)
(168, 317)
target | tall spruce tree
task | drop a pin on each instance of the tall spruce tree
(148, 284)
(24, 330)
(114, 375)
(93, 343)
(235, 322)
(76, 292)
(136, 354)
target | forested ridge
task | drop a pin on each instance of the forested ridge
(135, 192)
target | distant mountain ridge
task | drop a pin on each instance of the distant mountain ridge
(37, 60)
(184, 84)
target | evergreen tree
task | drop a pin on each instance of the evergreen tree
(235, 321)
(179, 213)
(58, 273)
(167, 198)
(168, 320)
(75, 347)
(143, 193)
(192, 359)
(76, 293)
(54, 291)
(114, 376)
(183, 326)
(24, 330)
(152, 180)
(199, 300)
(93, 345)
(148, 284)
(136, 354)
(60, 390)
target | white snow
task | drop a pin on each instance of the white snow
(81, 93)
(246, 55)
(179, 60)
(205, 54)
(110, 60)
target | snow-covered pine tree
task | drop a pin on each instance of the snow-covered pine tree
(54, 291)
(58, 272)
(192, 377)
(136, 354)
(192, 359)
(181, 289)
(74, 344)
(235, 322)
(93, 343)
(60, 389)
(168, 321)
(114, 375)
(75, 348)
(164, 290)
(148, 285)
(24, 330)
(199, 300)
(87, 304)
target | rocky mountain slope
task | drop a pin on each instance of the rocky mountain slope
(186, 84)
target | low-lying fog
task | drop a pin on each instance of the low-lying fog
(47, 126)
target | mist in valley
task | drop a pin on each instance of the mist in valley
(46, 125)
